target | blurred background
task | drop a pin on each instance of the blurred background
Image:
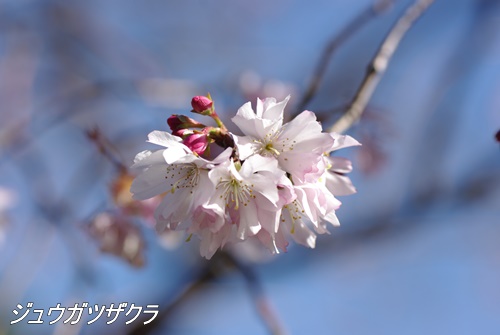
(82, 83)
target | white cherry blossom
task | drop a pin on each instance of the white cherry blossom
(248, 194)
(276, 182)
(337, 167)
(297, 145)
(177, 172)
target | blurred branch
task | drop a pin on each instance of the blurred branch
(352, 27)
(268, 316)
(204, 276)
(379, 64)
(213, 269)
(105, 148)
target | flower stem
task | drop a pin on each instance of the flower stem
(218, 121)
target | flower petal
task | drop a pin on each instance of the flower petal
(339, 185)
(249, 224)
(147, 158)
(273, 110)
(342, 141)
(150, 183)
(163, 138)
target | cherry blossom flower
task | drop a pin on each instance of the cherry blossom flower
(311, 207)
(174, 170)
(337, 167)
(275, 182)
(297, 145)
(248, 194)
(210, 223)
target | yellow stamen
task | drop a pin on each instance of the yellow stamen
(269, 147)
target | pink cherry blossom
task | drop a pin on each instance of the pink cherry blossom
(275, 183)
(174, 170)
(337, 167)
(297, 145)
(248, 194)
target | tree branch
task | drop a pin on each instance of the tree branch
(379, 64)
(216, 267)
(205, 275)
(262, 305)
(352, 27)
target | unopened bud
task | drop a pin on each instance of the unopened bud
(179, 123)
(497, 136)
(174, 122)
(201, 105)
(197, 142)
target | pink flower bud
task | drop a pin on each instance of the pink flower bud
(201, 104)
(179, 123)
(174, 122)
(198, 143)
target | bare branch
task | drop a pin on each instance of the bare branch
(352, 27)
(262, 305)
(205, 275)
(378, 65)
(106, 148)
(215, 268)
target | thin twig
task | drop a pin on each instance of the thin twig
(262, 305)
(352, 27)
(106, 148)
(216, 267)
(378, 65)
(205, 275)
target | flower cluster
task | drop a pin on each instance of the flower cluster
(274, 182)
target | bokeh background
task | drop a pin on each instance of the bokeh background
(82, 83)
